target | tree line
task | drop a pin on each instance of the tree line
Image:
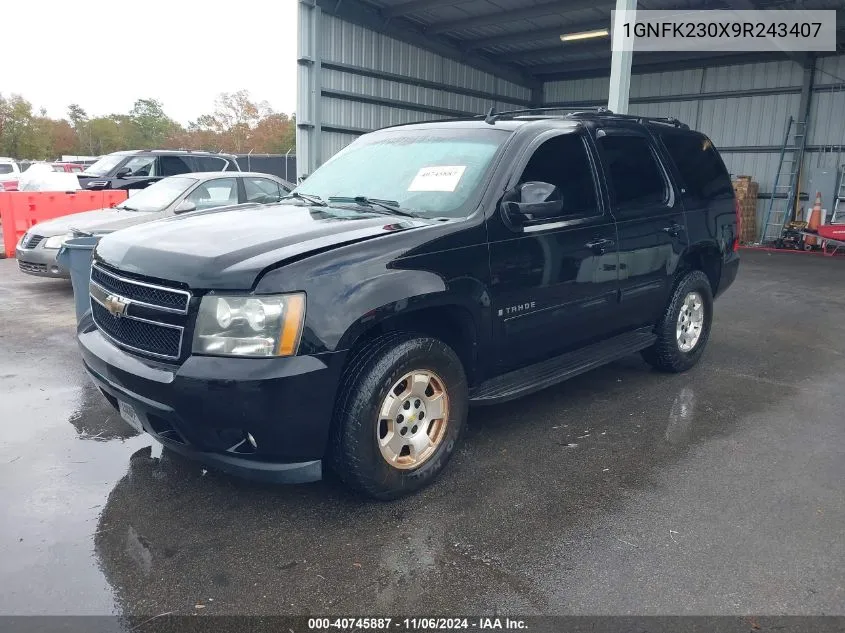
(237, 125)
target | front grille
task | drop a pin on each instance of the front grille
(144, 336)
(138, 315)
(171, 299)
(32, 241)
(28, 267)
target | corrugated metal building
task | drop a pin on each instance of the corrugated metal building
(369, 64)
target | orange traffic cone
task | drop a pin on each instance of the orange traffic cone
(814, 222)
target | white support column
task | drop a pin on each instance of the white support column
(620, 62)
(308, 93)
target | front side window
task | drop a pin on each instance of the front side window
(436, 172)
(140, 166)
(215, 193)
(635, 177)
(562, 161)
(6, 168)
(104, 165)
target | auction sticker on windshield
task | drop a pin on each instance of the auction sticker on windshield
(441, 178)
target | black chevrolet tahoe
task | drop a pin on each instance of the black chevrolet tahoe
(423, 269)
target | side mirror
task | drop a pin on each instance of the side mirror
(123, 172)
(532, 201)
(184, 207)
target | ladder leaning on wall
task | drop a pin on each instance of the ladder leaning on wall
(838, 216)
(782, 202)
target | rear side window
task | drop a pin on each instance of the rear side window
(174, 165)
(261, 190)
(209, 163)
(699, 165)
(635, 177)
(232, 166)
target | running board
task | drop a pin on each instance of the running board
(533, 378)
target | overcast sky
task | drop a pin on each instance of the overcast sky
(105, 54)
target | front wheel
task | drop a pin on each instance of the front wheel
(684, 328)
(400, 412)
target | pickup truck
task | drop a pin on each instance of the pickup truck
(354, 323)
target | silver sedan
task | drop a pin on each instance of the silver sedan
(37, 249)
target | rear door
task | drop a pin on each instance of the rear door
(650, 221)
(261, 190)
(553, 282)
(174, 165)
(706, 189)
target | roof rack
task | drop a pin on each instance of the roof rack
(492, 116)
(600, 111)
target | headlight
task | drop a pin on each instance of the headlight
(57, 240)
(268, 325)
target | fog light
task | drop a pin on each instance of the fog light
(251, 440)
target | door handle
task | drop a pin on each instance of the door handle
(599, 246)
(673, 229)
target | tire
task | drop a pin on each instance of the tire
(359, 427)
(668, 353)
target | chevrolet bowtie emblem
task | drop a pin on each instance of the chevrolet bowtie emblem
(116, 305)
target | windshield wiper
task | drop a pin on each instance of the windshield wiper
(122, 207)
(390, 205)
(316, 201)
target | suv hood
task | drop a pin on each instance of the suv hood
(228, 249)
(99, 221)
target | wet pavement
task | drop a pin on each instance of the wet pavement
(624, 491)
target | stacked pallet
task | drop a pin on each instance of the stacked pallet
(746, 191)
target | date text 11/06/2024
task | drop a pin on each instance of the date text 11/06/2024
(415, 624)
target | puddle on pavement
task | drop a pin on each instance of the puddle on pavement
(54, 483)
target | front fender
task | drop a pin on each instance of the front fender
(352, 289)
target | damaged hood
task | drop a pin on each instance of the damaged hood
(229, 249)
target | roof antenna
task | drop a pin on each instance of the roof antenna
(490, 119)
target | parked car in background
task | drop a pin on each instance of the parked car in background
(10, 172)
(135, 169)
(483, 260)
(36, 252)
(70, 168)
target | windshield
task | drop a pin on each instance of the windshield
(104, 165)
(6, 168)
(434, 172)
(158, 196)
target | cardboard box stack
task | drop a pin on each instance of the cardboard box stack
(746, 195)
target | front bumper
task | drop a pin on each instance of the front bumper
(40, 262)
(204, 408)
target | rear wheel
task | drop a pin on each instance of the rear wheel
(400, 412)
(684, 328)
